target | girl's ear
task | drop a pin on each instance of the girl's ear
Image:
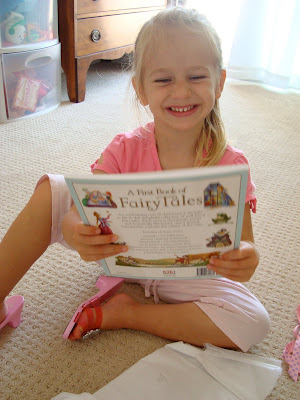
(139, 93)
(220, 83)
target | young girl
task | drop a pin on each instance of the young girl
(177, 72)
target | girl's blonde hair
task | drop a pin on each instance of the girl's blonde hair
(212, 138)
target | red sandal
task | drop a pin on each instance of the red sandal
(108, 286)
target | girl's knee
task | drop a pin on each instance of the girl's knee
(255, 329)
(260, 326)
(245, 326)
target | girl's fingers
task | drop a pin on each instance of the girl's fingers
(104, 250)
(234, 275)
(99, 256)
(94, 253)
(238, 265)
(87, 229)
(230, 265)
(233, 255)
(246, 250)
(92, 246)
(235, 271)
(96, 257)
(238, 254)
(97, 239)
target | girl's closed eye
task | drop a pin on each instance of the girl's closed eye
(198, 77)
(163, 80)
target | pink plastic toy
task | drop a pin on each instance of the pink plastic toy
(15, 306)
(108, 286)
(291, 352)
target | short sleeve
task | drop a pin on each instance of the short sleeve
(111, 154)
(234, 156)
(250, 196)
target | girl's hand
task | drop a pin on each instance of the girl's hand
(92, 246)
(87, 240)
(237, 265)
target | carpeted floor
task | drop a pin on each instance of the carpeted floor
(36, 363)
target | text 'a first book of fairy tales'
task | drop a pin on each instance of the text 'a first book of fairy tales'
(172, 221)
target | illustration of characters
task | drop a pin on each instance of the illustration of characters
(215, 195)
(187, 260)
(98, 199)
(102, 223)
(220, 239)
(182, 260)
(130, 260)
(221, 218)
(195, 259)
(104, 198)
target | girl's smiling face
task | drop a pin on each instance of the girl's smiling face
(180, 81)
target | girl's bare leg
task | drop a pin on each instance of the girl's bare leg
(177, 322)
(25, 241)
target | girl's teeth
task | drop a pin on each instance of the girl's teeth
(181, 109)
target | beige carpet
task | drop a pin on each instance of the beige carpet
(36, 363)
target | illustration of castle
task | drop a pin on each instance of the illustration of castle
(219, 239)
(98, 199)
(215, 195)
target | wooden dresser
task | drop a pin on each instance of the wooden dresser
(98, 29)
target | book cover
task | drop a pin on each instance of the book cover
(172, 221)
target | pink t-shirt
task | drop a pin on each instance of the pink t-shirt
(136, 152)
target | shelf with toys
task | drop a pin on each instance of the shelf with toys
(30, 58)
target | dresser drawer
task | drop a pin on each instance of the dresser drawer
(95, 6)
(115, 30)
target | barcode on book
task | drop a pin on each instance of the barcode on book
(203, 271)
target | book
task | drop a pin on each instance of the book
(172, 221)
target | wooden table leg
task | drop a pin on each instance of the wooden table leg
(82, 64)
(76, 70)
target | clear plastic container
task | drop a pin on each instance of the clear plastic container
(27, 24)
(31, 83)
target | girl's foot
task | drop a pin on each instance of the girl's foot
(111, 315)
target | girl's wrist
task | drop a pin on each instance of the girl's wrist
(253, 245)
(69, 221)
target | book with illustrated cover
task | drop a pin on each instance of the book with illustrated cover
(172, 221)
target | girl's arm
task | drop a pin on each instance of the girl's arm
(87, 240)
(240, 264)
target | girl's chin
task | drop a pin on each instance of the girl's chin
(181, 127)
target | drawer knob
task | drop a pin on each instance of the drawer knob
(95, 35)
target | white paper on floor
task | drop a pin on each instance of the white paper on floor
(180, 370)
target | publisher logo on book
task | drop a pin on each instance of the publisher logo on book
(169, 272)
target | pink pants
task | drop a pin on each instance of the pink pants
(230, 305)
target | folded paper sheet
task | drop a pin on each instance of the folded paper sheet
(180, 370)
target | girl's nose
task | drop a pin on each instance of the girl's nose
(181, 90)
